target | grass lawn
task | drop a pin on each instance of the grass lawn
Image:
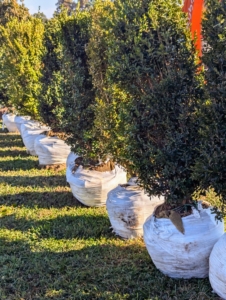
(51, 247)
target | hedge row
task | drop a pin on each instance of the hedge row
(122, 80)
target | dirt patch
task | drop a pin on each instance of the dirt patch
(205, 204)
(60, 135)
(130, 220)
(131, 187)
(184, 209)
(93, 165)
(53, 167)
(176, 212)
(104, 167)
(189, 246)
(124, 185)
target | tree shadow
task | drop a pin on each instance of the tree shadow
(15, 143)
(10, 140)
(16, 164)
(41, 199)
(84, 226)
(101, 271)
(13, 153)
(5, 130)
(35, 181)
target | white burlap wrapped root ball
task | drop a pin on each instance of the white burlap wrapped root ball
(9, 122)
(51, 150)
(31, 125)
(29, 133)
(71, 159)
(217, 263)
(91, 187)
(128, 207)
(19, 120)
(183, 255)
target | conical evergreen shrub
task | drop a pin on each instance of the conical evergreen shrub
(22, 49)
(110, 101)
(79, 94)
(152, 59)
(52, 93)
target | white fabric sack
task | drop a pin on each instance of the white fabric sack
(217, 273)
(9, 122)
(29, 133)
(51, 150)
(71, 159)
(30, 122)
(20, 120)
(128, 208)
(183, 255)
(91, 187)
(32, 125)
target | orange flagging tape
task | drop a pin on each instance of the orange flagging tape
(194, 9)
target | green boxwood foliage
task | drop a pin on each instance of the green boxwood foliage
(21, 62)
(67, 97)
(8, 9)
(50, 101)
(12, 9)
(152, 58)
(79, 95)
(210, 168)
(110, 102)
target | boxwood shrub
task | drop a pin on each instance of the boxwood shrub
(79, 94)
(152, 58)
(50, 100)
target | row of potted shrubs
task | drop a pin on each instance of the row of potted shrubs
(132, 213)
(178, 254)
(89, 186)
(122, 84)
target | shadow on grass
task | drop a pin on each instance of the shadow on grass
(10, 140)
(13, 153)
(40, 200)
(16, 164)
(34, 181)
(16, 143)
(84, 226)
(5, 130)
(93, 272)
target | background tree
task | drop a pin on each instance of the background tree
(8, 9)
(21, 63)
(40, 15)
(70, 5)
(4, 99)
(83, 3)
(12, 9)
